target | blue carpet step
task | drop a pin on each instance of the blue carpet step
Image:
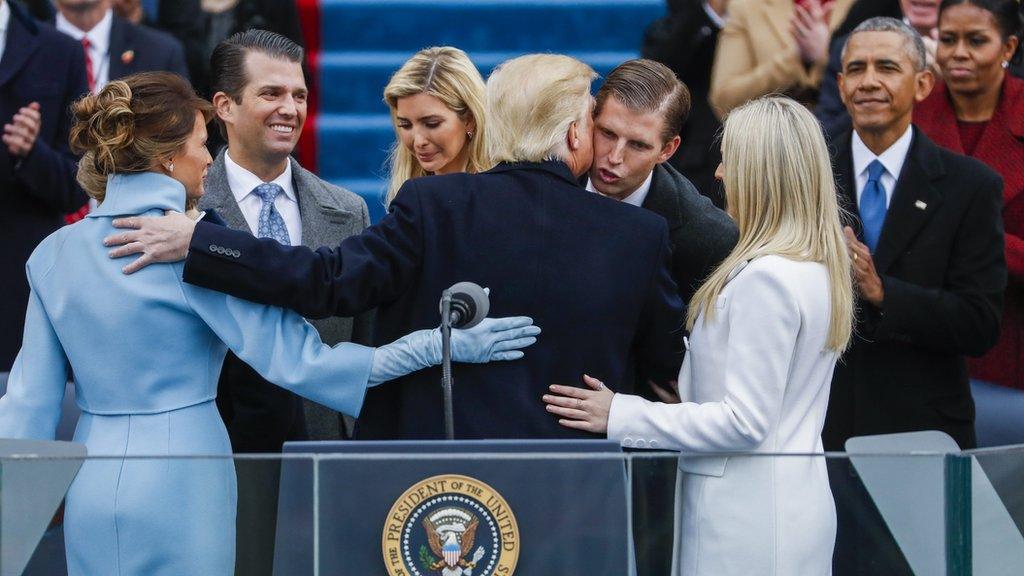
(354, 81)
(482, 25)
(353, 145)
(372, 191)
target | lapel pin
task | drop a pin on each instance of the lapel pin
(127, 57)
(920, 205)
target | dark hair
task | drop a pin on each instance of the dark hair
(1007, 14)
(227, 63)
(647, 86)
(131, 123)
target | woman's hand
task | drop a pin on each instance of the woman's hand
(580, 408)
(809, 27)
(493, 339)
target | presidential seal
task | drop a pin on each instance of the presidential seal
(451, 525)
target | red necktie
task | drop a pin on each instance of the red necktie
(89, 74)
(91, 79)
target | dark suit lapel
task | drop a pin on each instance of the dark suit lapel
(846, 187)
(21, 43)
(120, 45)
(913, 202)
(218, 196)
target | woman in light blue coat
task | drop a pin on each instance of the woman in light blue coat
(147, 349)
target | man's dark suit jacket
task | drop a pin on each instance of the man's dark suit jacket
(685, 41)
(592, 273)
(701, 235)
(135, 48)
(40, 65)
(940, 258)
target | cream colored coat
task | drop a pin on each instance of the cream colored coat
(756, 379)
(756, 55)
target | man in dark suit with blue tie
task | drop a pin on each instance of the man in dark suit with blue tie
(592, 272)
(928, 263)
(41, 74)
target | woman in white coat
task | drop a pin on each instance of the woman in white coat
(766, 330)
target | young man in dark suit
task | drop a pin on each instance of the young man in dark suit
(41, 74)
(592, 272)
(637, 118)
(685, 41)
(928, 264)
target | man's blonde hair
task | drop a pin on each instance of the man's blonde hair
(531, 102)
(780, 189)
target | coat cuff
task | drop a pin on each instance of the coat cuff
(622, 414)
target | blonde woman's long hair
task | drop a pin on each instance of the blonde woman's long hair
(447, 74)
(780, 189)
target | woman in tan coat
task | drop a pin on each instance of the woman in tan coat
(773, 46)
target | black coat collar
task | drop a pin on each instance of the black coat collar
(554, 167)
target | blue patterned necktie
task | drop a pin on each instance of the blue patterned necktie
(872, 205)
(271, 224)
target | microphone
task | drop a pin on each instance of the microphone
(470, 304)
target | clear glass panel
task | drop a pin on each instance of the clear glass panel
(366, 508)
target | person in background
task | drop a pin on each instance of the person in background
(639, 110)
(143, 140)
(773, 46)
(978, 110)
(747, 389)
(921, 15)
(685, 41)
(179, 18)
(437, 105)
(41, 73)
(114, 48)
(927, 250)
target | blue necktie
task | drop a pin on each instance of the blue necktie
(271, 224)
(872, 205)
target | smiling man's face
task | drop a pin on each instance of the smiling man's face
(879, 83)
(265, 126)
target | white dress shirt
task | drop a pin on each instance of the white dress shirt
(892, 159)
(637, 197)
(99, 45)
(243, 183)
(5, 19)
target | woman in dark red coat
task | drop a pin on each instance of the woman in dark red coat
(979, 111)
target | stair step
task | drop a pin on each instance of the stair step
(354, 81)
(479, 25)
(353, 145)
(370, 189)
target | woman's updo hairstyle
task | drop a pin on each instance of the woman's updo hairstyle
(131, 124)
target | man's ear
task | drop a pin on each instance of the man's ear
(572, 137)
(841, 81)
(924, 81)
(669, 149)
(224, 106)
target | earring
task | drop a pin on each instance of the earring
(1006, 64)
(469, 134)
(170, 167)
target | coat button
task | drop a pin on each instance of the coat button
(236, 253)
(213, 247)
(627, 442)
(641, 443)
(654, 444)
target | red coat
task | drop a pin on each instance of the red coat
(1001, 147)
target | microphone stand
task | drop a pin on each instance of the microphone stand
(446, 363)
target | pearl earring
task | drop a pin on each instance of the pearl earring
(469, 134)
(1006, 63)
(170, 167)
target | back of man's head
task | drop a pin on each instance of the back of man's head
(645, 86)
(227, 63)
(531, 102)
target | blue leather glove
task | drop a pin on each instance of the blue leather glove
(492, 339)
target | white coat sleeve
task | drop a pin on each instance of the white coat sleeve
(764, 321)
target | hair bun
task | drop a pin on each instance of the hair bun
(104, 124)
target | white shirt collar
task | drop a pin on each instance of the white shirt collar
(99, 36)
(637, 197)
(893, 158)
(714, 16)
(5, 17)
(242, 182)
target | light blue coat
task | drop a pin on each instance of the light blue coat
(146, 351)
